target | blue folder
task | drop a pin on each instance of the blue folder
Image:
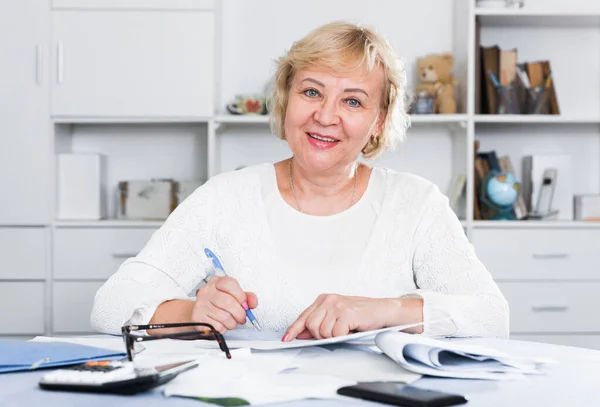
(18, 355)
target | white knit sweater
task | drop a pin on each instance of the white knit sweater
(415, 247)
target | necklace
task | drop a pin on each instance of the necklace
(294, 191)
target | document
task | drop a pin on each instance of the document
(106, 342)
(357, 363)
(270, 340)
(256, 378)
(445, 358)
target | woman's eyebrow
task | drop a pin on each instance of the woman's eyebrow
(314, 81)
(345, 90)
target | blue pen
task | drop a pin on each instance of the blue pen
(216, 263)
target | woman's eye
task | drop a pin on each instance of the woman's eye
(311, 93)
(353, 102)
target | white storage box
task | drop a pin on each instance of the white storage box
(81, 187)
(587, 207)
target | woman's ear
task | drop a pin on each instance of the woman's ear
(380, 122)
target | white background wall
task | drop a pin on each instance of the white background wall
(254, 34)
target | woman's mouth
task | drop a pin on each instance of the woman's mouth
(320, 141)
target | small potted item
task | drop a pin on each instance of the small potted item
(248, 104)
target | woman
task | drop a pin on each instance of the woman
(329, 245)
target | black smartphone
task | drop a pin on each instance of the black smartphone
(400, 394)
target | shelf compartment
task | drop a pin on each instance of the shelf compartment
(542, 18)
(128, 120)
(534, 224)
(534, 119)
(415, 119)
(108, 223)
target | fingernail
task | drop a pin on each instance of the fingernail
(245, 305)
(285, 337)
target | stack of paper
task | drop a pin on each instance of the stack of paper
(444, 358)
(257, 378)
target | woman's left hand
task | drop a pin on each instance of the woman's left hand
(336, 315)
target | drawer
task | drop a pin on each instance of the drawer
(95, 254)
(580, 341)
(22, 305)
(24, 253)
(552, 306)
(72, 304)
(539, 254)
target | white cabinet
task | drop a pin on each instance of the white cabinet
(25, 136)
(132, 63)
(22, 305)
(72, 304)
(539, 254)
(95, 253)
(24, 253)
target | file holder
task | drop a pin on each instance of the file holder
(509, 99)
(515, 99)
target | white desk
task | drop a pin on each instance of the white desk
(575, 382)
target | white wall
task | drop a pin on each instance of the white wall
(254, 34)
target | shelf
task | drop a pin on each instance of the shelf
(108, 223)
(534, 119)
(416, 119)
(242, 119)
(543, 18)
(533, 224)
(438, 118)
(133, 120)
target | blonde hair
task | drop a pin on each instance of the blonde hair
(332, 46)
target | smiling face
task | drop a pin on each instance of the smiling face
(330, 117)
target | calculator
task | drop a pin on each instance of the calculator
(112, 376)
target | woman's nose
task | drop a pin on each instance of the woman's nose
(326, 114)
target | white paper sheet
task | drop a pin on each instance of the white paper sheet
(105, 342)
(255, 379)
(451, 359)
(265, 340)
(360, 365)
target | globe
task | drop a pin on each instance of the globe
(499, 191)
(503, 189)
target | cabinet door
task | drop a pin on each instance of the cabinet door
(24, 253)
(22, 305)
(72, 304)
(113, 63)
(25, 137)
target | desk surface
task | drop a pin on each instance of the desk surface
(575, 382)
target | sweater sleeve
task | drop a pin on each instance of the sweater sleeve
(170, 266)
(460, 298)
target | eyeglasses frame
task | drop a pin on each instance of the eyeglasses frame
(130, 339)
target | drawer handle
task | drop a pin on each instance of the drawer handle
(123, 255)
(550, 308)
(551, 256)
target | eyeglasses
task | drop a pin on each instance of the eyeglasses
(206, 332)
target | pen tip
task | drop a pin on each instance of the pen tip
(257, 325)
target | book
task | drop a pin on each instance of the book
(450, 358)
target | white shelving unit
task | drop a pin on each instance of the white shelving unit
(150, 124)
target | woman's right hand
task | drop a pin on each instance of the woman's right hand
(223, 304)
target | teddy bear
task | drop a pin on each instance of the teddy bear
(436, 80)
